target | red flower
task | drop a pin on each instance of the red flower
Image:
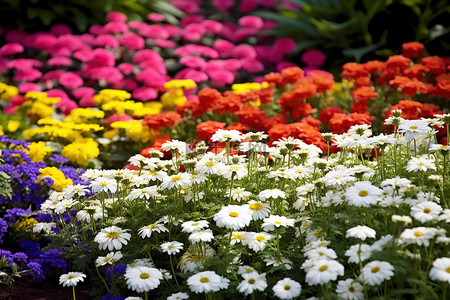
(292, 74)
(354, 70)
(206, 129)
(327, 113)
(251, 116)
(435, 64)
(409, 87)
(301, 109)
(162, 119)
(364, 93)
(374, 66)
(362, 81)
(413, 49)
(415, 71)
(443, 85)
(208, 96)
(274, 78)
(227, 104)
(278, 131)
(396, 63)
(410, 109)
(323, 82)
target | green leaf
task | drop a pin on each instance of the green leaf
(358, 53)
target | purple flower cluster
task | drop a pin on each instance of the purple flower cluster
(3, 229)
(117, 270)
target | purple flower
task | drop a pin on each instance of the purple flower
(3, 229)
(13, 213)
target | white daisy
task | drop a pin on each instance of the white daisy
(146, 231)
(440, 270)
(362, 193)
(112, 238)
(349, 289)
(171, 247)
(422, 163)
(178, 296)
(282, 261)
(110, 258)
(252, 282)
(103, 184)
(71, 278)
(258, 209)
(361, 232)
(323, 271)
(192, 226)
(273, 193)
(240, 194)
(180, 180)
(201, 236)
(143, 279)
(426, 211)
(376, 272)
(287, 289)
(233, 217)
(226, 135)
(357, 253)
(256, 241)
(206, 282)
(273, 221)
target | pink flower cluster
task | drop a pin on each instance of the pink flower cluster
(140, 56)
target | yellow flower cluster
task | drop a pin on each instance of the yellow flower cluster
(60, 181)
(84, 115)
(134, 130)
(81, 150)
(38, 151)
(239, 88)
(175, 92)
(7, 91)
(108, 95)
(39, 104)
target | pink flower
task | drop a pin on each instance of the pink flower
(52, 75)
(57, 93)
(242, 33)
(106, 40)
(196, 49)
(315, 58)
(191, 19)
(106, 74)
(251, 21)
(153, 32)
(24, 63)
(29, 86)
(87, 38)
(284, 45)
(71, 42)
(60, 61)
(150, 59)
(115, 27)
(189, 73)
(221, 77)
(151, 78)
(87, 101)
(188, 7)
(42, 40)
(27, 75)
(165, 43)
(212, 26)
(252, 65)
(115, 16)
(172, 30)
(126, 68)
(269, 25)
(70, 80)
(244, 51)
(125, 84)
(246, 6)
(66, 106)
(15, 36)
(228, 64)
(84, 55)
(82, 92)
(155, 17)
(137, 25)
(193, 32)
(63, 51)
(60, 29)
(224, 48)
(132, 41)
(223, 5)
(11, 49)
(115, 118)
(96, 29)
(145, 93)
(193, 62)
(102, 58)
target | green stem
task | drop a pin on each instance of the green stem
(227, 145)
(73, 292)
(173, 270)
(104, 282)
(146, 295)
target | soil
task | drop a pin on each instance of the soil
(25, 289)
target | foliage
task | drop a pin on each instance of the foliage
(362, 30)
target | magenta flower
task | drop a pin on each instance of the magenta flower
(115, 118)
(196, 49)
(59, 61)
(82, 92)
(132, 41)
(251, 21)
(115, 16)
(191, 19)
(42, 40)
(27, 75)
(51, 75)
(115, 27)
(284, 64)
(102, 58)
(221, 77)
(284, 45)
(244, 51)
(165, 43)
(246, 6)
(63, 51)
(193, 62)
(153, 32)
(70, 41)
(151, 78)
(223, 5)
(11, 49)
(106, 40)
(60, 29)
(126, 68)
(193, 32)
(106, 74)
(145, 93)
(29, 86)
(84, 55)
(189, 73)
(70, 80)
(252, 65)
(15, 36)
(137, 25)
(188, 7)
(314, 58)
(212, 26)
(155, 17)
(150, 59)
(96, 29)
(225, 48)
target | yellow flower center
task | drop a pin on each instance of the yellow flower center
(447, 269)
(418, 233)
(204, 279)
(144, 275)
(71, 276)
(287, 287)
(210, 163)
(260, 238)
(249, 270)
(277, 222)
(256, 206)
(195, 224)
(426, 210)
(323, 268)
(375, 269)
(176, 178)
(170, 246)
(420, 164)
(112, 235)
(351, 289)
(413, 127)
(233, 214)
(251, 281)
(363, 193)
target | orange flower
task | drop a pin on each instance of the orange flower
(291, 75)
(207, 96)
(443, 86)
(322, 81)
(415, 71)
(301, 109)
(396, 63)
(413, 49)
(251, 116)
(362, 81)
(409, 87)
(274, 78)
(206, 129)
(374, 66)
(435, 64)
(227, 104)
(364, 93)
(161, 120)
(354, 70)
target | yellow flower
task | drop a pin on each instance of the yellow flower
(1, 130)
(7, 91)
(60, 181)
(26, 223)
(184, 84)
(107, 95)
(173, 98)
(239, 88)
(135, 130)
(13, 125)
(38, 151)
(110, 134)
(40, 109)
(83, 115)
(81, 151)
(150, 108)
(121, 106)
